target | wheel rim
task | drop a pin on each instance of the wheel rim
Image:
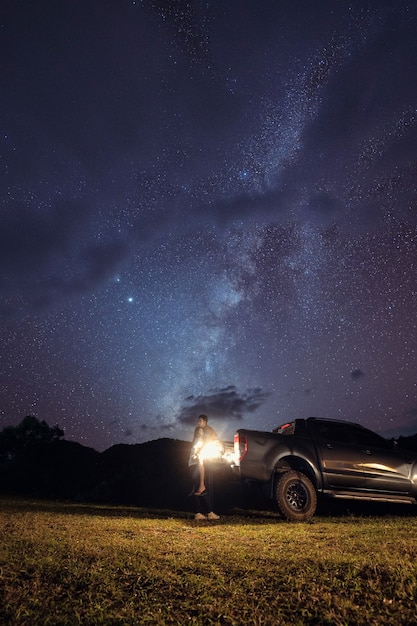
(297, 497)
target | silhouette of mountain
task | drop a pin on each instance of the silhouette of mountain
(151, 473)
(154, 473)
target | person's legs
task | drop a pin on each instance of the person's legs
(201, 486)
(208, 494)
(198, 507)
(204, 504)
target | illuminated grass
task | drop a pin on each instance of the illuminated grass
(71, 564)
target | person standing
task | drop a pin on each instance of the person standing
(203, 434)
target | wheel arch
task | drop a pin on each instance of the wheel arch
(299, 464)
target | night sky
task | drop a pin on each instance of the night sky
(207, 207)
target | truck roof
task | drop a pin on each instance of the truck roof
(288, 428)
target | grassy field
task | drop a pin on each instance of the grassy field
(81, 564)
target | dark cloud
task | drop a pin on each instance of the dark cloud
(366, 91)
(226, 403)
(323, 209)
(47, 256)
(30, 238)
(362, 135)
(357, 374)
(270, 204)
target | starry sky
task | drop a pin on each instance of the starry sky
(207, 207)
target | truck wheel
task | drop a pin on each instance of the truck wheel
(295, 496)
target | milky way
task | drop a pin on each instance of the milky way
(208, 207)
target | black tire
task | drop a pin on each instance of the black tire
(295, 496)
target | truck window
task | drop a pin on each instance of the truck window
(367, 438)
(331, 431)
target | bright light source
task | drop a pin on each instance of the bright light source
(211, 450)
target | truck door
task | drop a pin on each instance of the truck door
(341, 457)
(385, 468)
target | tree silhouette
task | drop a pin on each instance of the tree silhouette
(17, 440)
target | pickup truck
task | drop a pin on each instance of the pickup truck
(307, 458)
